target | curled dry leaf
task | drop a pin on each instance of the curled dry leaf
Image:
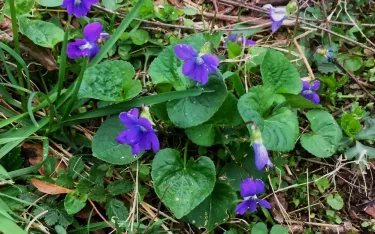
(49, 188)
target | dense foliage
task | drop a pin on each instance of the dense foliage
(124, 127)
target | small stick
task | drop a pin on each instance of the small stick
(34, 219)
(311, 73)
(100, 215)
(341, 36)
(308, 194)
(356, 80)
(326, 21)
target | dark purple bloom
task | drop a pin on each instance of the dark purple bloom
(308, 91)
(261, 155)
(249, 190)
(196, 66)
(87, 46)
(240, 39)
(79, 8)
(277, 15)
(139, 133)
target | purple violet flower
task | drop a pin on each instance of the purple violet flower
(261, 155)
(240, 39)
(196, 66)
(277, 15)
(88, 46)
(327, 53)
(139, 133)
(309, 91)
(103, 37)
(249, 190)
(79, 8)
(260, 152)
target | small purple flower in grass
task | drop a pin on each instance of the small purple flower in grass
(139, 133)
(79, 8)
(196, 66)
(260, 152)
(249, 190)
(240, 39)
(327, 53)
(87, 46)
(309, 91)
(277, 15)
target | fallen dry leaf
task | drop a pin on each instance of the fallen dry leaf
(276, 211)
(49, 188)
(370, 210)
(34, 153)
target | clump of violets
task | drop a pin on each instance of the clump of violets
(309, 91)
(78, 8)
(88, 46)
(139, 133)
(277, 15)
(240, 39)
(260, 152)
(327, 53)
(249, 190)
(196, 66)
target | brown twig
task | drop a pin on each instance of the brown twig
(356, 80)
(145, 21)
(311, 73)
(326, 20)
(100, 215)
(341, 36)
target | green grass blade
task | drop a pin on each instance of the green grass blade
(20, 135)
(8, 98)
(14, 118)
(91, 227)
(77, 85)
(238, 85)
(25, 171)
(63, 56)
(117, 108)
(16, 57)
(31, 110)
(9, 227)
(9, 73)
(116, 35)
(16, 87)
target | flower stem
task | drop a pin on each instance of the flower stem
(185, 152)
(76, 89)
